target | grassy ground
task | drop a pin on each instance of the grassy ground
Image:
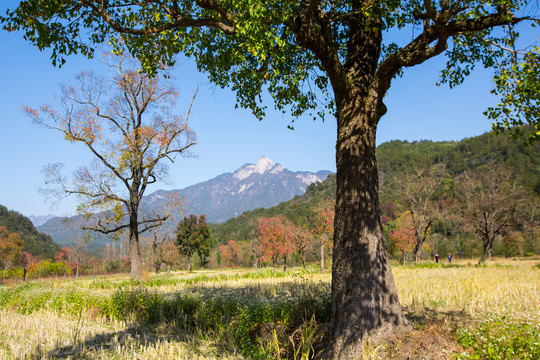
(463, 311)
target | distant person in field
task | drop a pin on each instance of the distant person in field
(449, 258)
(437, 258)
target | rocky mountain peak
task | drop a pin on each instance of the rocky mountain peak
(264, 165)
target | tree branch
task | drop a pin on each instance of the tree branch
(420, 49)
(179, 20)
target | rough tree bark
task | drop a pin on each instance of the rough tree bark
(360, 255)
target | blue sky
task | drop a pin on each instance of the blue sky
(227, 138)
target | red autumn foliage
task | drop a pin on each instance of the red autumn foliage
(230, 254)
(403, 240)
(275, 239)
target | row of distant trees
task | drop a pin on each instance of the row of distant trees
(480, 211)
(467, 216)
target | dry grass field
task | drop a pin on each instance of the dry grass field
(462, 311)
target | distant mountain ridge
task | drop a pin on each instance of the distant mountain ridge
(261, 185)
(41, 219)
(251, 186)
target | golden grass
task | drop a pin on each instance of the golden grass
(45, 335)
(500, 288)
(474, 291)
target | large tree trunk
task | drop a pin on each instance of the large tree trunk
(417, 250)
(488, 247)
(364, 298)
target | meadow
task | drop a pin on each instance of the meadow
(458, 311)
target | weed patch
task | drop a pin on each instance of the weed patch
(505, 337)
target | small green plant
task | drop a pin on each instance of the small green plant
(304, 338)
(502, 338)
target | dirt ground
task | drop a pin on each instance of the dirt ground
(432, 342)
(431, 338)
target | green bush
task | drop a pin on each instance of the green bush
(249, 318)
(425, 265)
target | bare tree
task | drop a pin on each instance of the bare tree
(126, 122)
(419, 192)
(491, 200)
(160, 240)
(531, 224)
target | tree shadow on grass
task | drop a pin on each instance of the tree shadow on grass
(191, 315)
(132, 339)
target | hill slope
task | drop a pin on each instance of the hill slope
(35, 242)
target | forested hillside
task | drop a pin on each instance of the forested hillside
(403, 157)
(35, 243)
(402, 167)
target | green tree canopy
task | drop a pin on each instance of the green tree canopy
(193, 236)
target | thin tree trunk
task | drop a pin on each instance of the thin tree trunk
(157, 255)
(323, 240)
(284, 263)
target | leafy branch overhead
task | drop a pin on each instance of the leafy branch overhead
(295, 50)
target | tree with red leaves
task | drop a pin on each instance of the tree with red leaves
(65, 255)
(11, 246)
(301, 238)
(275, 239)
(230, 253)
(324, 227)
(95, 264)
(28, 262)
(403, 240)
